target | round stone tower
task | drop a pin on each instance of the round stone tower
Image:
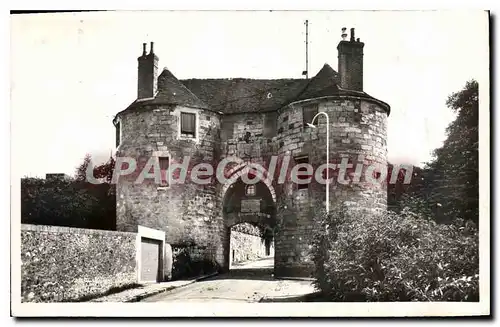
(176, 125)
(357, 155)
(168, 127)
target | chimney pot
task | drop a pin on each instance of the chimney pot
(144, 49)
(350, 63)
(147, 83)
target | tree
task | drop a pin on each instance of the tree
(81, 171)
(447, 188)
(399, 191)
(456, 163)
(56, 202)
(105, 171)
(72, 203)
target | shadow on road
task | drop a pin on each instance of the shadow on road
(267, 262)
(249, 273)
(259, 269)
(311, 297)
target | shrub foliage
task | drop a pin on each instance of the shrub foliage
(186, 265)
(395, 257)
(72, 202)
(68, 203)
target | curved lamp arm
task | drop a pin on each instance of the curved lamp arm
(311, 124)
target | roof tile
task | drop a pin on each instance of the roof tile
(238, 95)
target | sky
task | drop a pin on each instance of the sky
(72, 72)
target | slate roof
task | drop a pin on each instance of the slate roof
(238, 95)
(246, 95)
(170, 91)
(324, 83)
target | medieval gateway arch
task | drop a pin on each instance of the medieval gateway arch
(244, 202)
(208, 120)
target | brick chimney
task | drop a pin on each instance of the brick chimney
(147, 81)
(350, 62)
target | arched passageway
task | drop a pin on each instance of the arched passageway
(249, 243)
(251, 205)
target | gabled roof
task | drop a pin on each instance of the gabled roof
(239, 95)
(261, 95)
(323, 84)
(172, 92)
(326, 83)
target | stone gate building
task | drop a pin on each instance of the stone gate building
(209, 120)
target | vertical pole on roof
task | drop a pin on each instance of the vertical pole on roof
(307, 48)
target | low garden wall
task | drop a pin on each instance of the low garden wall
(62, 264)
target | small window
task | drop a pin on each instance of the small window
(164, 164)
(227, 129)
(302, 160)
(269, 125)
(188, 124)
(118, 134)
(250, 190)
(308, 113)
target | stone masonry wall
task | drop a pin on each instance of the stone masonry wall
(247, 244)
(187, 212)
(192, 214)
(251, 138)
(357, 127)
(246, 247)
(295, 205)
(61, 264)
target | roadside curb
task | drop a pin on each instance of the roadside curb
(206, 276)
(305, 279)
(142, 296)
(139, 297)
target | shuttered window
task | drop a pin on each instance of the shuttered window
(302, 160)
(308, 114)
(164, 164)
(227, 129)
(269, 124)
(188, 124)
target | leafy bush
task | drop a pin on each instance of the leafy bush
(418, 205)
(395, 257)
(185, 265)
(247, 228)
(68, 203)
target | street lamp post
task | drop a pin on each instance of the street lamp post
(311, 124)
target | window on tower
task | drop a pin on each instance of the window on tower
(303, 172)
(188, 124)
(308, 113)
(118, 134)
(164, 164)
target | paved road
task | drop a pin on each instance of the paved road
(249, 282)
